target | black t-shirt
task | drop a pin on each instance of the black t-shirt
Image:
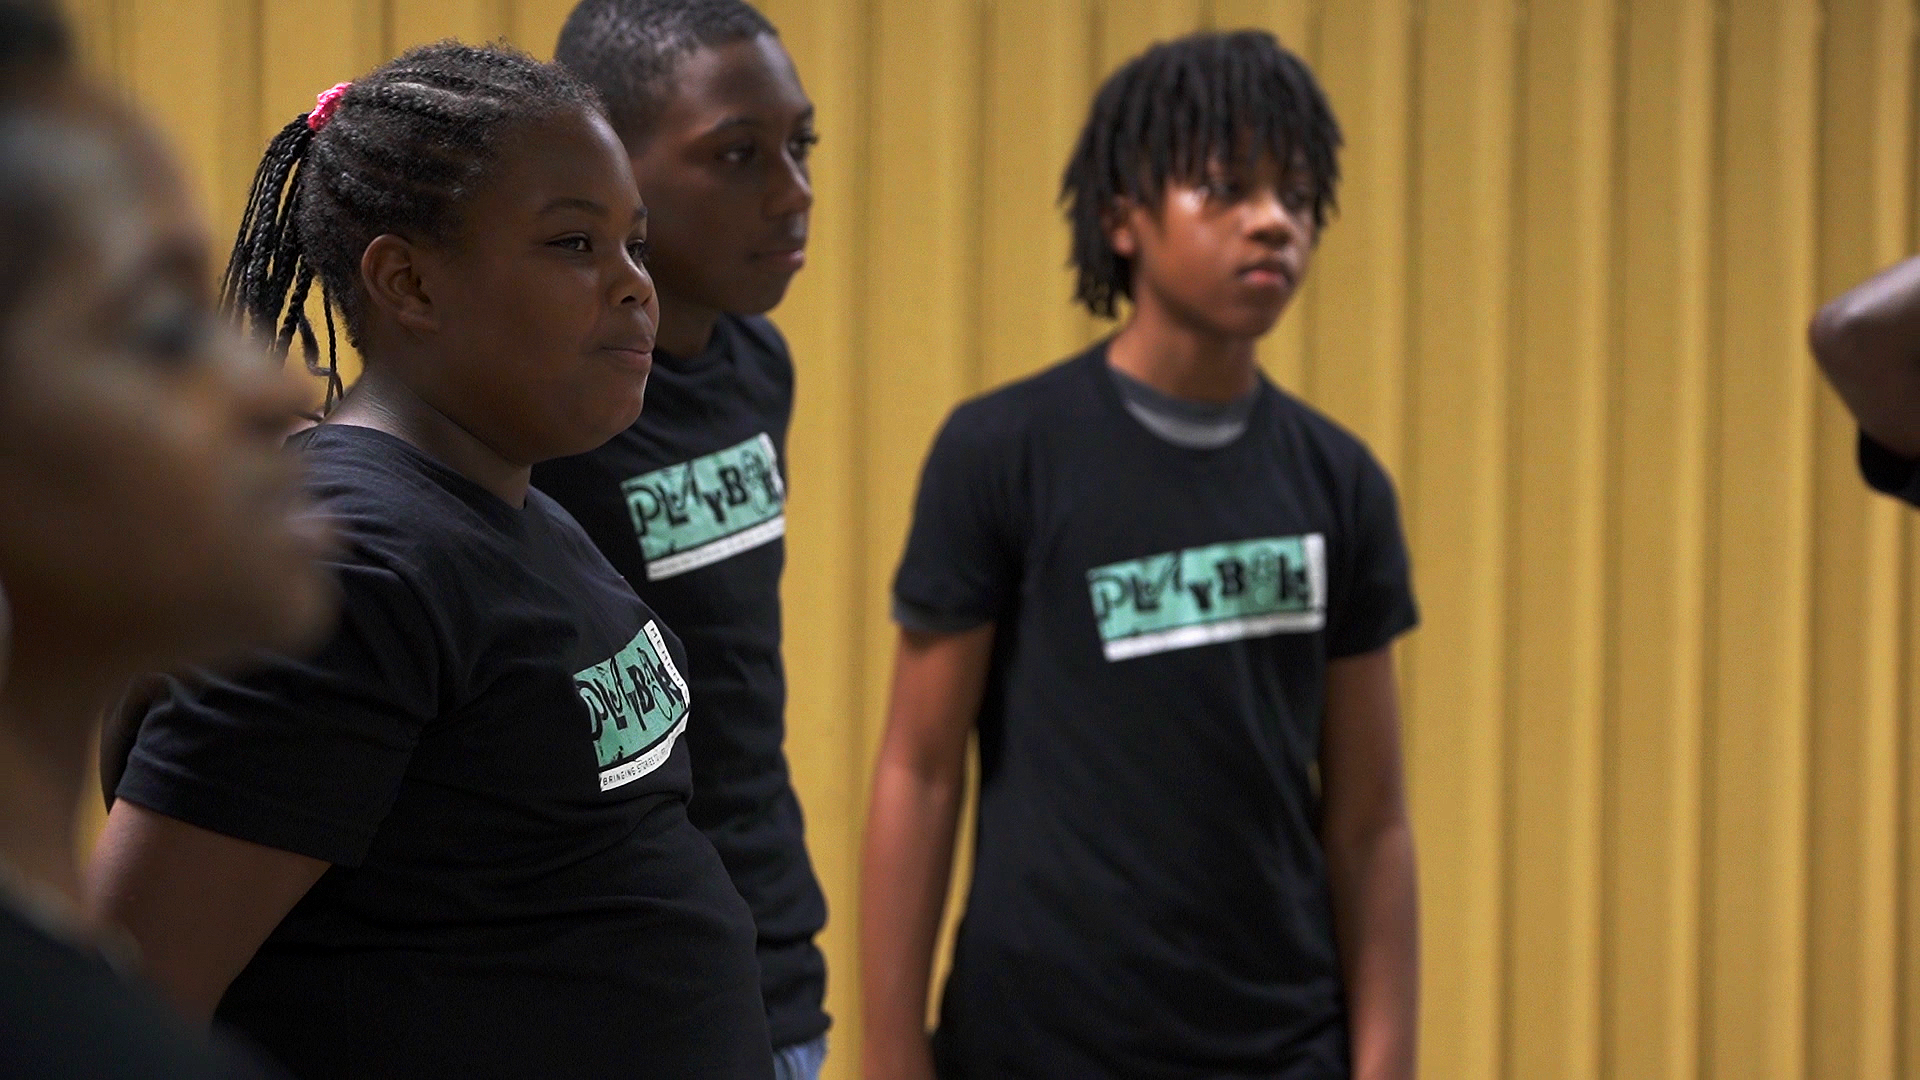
(488, 750)
(65, 1014)
(1889, 473)
(1149, 895)
(689, 505)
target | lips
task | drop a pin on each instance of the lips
(789, 258)
(637, 358)
(1273, 272)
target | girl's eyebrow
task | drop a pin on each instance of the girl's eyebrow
(575, 202)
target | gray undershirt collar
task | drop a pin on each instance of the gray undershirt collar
(1193, 425)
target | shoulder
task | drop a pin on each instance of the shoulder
(759, 345)
(1012, 414)
(1345, 455)
(394, 507)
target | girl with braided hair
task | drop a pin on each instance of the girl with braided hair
(453, 841)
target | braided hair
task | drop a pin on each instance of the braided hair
(398, 151)
(1172, 112)
(627, 49)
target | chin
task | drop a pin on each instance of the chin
(1250, 324)
(761, 300)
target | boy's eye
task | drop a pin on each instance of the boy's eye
(737, 155)
(802, 145)
(1223, 189)
(573, 243)
(638, 250)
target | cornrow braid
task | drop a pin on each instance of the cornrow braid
(403, 150)
(1173, 111)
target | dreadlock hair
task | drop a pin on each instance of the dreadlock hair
(401, 152)
(627, 49)
(1171, 113)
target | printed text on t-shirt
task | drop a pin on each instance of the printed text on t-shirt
(638, 703)
(712, 508)
(1200, 596)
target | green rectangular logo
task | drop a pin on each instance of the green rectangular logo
(638, 703)
(1200, 596)
(712, 508)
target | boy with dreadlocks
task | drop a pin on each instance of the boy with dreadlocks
(1164, 592)
(452, 842)
(689, 502)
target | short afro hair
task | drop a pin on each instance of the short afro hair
(1172, 112)
(628, 49)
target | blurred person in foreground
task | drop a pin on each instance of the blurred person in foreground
(151, 522)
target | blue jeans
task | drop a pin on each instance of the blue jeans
(801, 1061)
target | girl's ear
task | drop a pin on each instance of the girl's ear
(390, 271)
(1120, 221)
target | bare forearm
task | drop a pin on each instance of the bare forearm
(1868, 342)
(1376, 922)
(907, 867)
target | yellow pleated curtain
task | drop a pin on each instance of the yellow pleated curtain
(1660, 718)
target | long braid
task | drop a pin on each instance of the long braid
(398, 151)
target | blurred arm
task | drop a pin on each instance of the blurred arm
(1370, 866)
(908, 862)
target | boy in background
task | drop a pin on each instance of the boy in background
(1164, 592)
(688, 503)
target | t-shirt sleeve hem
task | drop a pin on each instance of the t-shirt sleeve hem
(925, 620)
(242, 815)
(1384, 635)
(1888, 472)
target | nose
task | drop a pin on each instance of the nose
(632, 284)
(1268, 218)
(791, 191)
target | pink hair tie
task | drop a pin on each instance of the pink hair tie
(324, 106)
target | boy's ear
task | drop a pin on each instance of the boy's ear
(1122, 223)
(390, 270)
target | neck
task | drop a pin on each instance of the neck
(385, 403)
(685, 327)
(1181, 360)
(50, 709)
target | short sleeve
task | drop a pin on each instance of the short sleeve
(962, 564)
(302, 754)
(1889, 473)
(1372, 596)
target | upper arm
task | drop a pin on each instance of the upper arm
(1868, 343)
(938, 680)
(1371, 601)
(1361, 774)
(962, 562)
(199, 903)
